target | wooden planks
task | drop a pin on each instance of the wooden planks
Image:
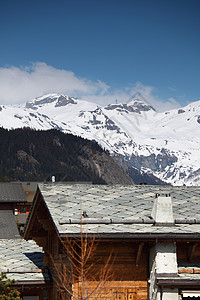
(128, 281)
(124, 258)
(115, 290)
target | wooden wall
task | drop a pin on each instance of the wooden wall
(188, 251)
(128, 280)
(123, 259)
(116, 290)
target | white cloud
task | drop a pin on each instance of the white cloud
(18, 85)
(125, 95)
(151, 98)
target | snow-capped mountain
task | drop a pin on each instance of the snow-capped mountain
(165, 144)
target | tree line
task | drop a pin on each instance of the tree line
(34, 155)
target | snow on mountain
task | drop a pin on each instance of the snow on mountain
(165, 144)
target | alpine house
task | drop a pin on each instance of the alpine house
(148, 239)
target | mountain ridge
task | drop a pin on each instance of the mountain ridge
(165, 144)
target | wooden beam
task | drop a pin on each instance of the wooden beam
(191, 250)
(139, 253)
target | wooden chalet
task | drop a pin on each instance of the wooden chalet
(151, 232)
(13, 202)
(12, 197)
(19, 259)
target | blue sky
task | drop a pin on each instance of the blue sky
(100, 50)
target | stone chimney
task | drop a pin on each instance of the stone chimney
(162, 211)
(163, 257)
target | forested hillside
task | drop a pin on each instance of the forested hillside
(31, 155)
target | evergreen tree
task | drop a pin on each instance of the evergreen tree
(6, 293)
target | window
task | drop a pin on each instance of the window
(22, 209)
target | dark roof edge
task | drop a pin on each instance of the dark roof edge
(32, 282)
(178, 282)
(146, 236)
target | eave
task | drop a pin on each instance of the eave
(138, 236)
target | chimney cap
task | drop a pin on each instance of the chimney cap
(162, 211)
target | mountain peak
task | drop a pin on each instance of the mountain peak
(140, 103)
(59, 99)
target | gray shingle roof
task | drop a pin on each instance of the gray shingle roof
(119, 209)
(12, 192)
(8, 226)
(22, 260)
